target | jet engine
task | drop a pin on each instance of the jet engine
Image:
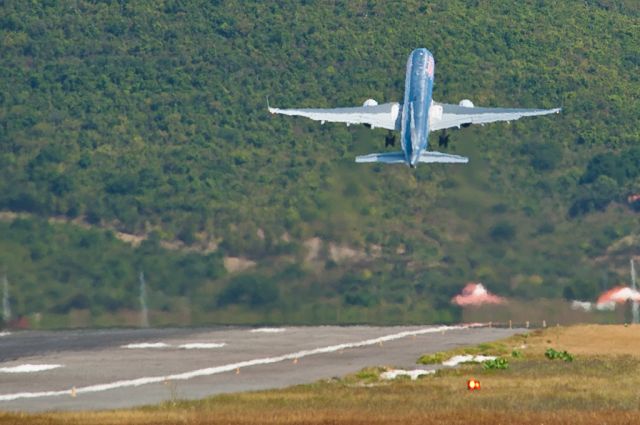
(435, 113)
(467, 104)
(370, 102)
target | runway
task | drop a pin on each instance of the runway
(106, 369)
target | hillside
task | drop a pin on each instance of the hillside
(150, 119)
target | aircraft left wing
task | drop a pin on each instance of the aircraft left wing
(386, 115)
(456, 115)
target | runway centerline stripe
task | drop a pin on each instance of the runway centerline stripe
(230, 367)
(29, 368)
(268, 330)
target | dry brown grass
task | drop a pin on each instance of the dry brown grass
(592, 340)
(599, 387)
(437, 417)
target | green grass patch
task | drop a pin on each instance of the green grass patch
(369, 374)
(501, 348)
(552, 354)
(496, 364)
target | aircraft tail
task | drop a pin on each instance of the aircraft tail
(432, 156)
(387, 157)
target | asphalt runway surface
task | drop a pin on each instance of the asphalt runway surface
(107, 369)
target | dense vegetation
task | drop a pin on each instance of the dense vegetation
(149, 118)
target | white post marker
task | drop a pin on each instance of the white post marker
(634, 306)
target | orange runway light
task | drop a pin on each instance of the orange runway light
(472, 385)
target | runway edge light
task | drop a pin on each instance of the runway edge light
(473, 385)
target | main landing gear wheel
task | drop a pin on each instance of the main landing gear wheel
(390, 139)
(443, 140)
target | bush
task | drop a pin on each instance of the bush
(369, 374)
(250, 290)
(544, 156)
(596, 196)
(503, 231)
(435, 358)
(499, 363)
(552, 354)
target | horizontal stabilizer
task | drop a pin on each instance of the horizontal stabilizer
(387, 157)
(432, 156)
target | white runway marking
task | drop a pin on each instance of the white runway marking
(268, 330)
(202, 345)
(188, 346)
(5, 333)
(147, 345)
(29, 368)
(229, 367)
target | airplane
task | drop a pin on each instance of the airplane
(418, 115)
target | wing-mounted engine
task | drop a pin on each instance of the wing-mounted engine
(435, 113)
(466, 103)
(386, 115)
(369, 102)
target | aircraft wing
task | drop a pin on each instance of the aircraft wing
(386, 115)
(456, 116)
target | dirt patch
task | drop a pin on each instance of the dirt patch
(237, 264)
(313, 247)
(133, 240)
(8, 216)
(339, 253)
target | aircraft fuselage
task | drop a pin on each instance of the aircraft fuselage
(418, 89)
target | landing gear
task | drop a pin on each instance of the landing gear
(443, 140)
(390, 139)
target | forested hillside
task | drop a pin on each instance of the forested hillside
(148, 119)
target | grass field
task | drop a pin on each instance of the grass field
(601, 385)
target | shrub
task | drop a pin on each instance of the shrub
(552, 354)
(544, 156)
(499, 363)
(369, 373)
(435, 358)
(503, 231)
(251, 290)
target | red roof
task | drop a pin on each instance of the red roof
(476, 294)
(633, 198)
(619, 294)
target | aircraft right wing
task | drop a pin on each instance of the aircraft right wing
(386, 115)
(456, 115)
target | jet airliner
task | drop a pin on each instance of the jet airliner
(418, 115)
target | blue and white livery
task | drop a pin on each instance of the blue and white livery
(415, 117)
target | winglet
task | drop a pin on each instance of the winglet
(272, 110)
